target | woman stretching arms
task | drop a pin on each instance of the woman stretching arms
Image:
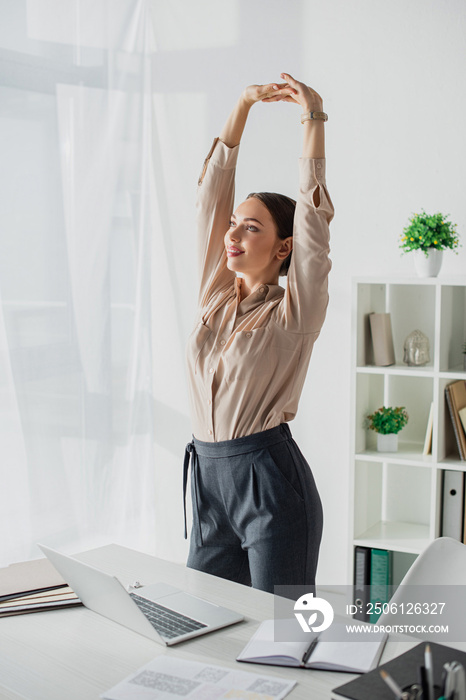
(257, 515)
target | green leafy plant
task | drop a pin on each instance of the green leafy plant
(387, 420)
(429, 231)
(464, 348)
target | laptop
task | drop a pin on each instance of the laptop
(158, 611)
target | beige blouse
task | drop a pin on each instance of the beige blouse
(247, 360)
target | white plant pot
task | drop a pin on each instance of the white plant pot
(428, 265)
(387, 443)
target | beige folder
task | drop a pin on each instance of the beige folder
(382, 339)
(28, 577)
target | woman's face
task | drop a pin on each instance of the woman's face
(252, 243)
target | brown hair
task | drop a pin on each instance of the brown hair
(281, 208)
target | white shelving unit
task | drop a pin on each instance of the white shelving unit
(397, 497)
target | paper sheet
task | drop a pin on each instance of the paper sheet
(169, 678)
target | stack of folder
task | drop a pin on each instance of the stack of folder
(33, 586)
(372, 575)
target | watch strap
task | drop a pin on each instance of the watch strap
(308, 116)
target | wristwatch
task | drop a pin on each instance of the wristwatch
(307, 116)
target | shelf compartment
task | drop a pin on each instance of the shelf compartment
(418, 305)
(392, 505)
(452, 327)
(374, 390)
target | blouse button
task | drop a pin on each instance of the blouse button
(248, 335)
(222, 342)
(210, 432)
(211, 370)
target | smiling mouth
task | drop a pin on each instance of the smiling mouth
(234, 252)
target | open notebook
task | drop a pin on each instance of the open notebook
(353, 652)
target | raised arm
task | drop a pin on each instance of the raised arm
(309, 101)
(217, 189)
(306, 296)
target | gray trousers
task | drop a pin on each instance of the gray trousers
(257, 514)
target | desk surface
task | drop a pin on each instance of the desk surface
(77, 654)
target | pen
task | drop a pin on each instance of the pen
(394, 687)
(429, 672)
(309, 650)
(422, 676)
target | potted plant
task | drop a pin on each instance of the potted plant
(387, 423)
(427, 236)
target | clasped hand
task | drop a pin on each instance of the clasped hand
(290, 91)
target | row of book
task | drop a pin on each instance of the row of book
(372, 577)
(33, 586)
(455, 395)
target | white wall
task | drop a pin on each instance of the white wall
(391, 75)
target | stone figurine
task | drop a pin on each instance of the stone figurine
(416, 349)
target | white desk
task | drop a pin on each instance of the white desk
(77, 654)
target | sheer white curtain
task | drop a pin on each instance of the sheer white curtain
(78, 215)
(107, 111)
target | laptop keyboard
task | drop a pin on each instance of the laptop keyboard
(168, 623)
